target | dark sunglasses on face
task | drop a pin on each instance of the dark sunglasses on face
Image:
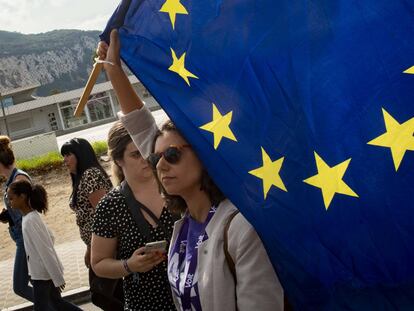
(172, 155)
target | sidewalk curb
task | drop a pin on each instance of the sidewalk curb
(76, 296)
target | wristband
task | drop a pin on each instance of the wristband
(126, 267)
(101, 61)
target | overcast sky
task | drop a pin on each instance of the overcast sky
(35, 16)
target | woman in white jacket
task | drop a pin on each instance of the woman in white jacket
(45, 268)
(199, 272)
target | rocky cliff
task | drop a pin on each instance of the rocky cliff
(59, 60)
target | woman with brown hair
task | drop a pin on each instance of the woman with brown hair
(127, 218)
(14, 219)
(216, 259)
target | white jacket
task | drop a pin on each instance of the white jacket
(42, 259)
(257, 288)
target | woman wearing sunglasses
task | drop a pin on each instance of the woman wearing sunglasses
(118, 239)
(200, 265)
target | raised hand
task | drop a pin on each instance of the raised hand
(110, 53)
(127, 97)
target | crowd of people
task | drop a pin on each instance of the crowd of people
(163, 237)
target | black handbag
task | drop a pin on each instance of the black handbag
(106, 293)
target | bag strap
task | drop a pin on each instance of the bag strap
(135, 209)
(229, 259)
(149, 212)
(230, 262)
(20, 172)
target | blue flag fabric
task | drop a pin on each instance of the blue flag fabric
(303, 114)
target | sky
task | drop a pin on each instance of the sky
(36, 16)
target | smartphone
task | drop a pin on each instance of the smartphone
(158, 246)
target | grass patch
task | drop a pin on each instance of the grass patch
(100, 147)
(41, 163)
(53, 160)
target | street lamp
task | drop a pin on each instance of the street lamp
(4, 115)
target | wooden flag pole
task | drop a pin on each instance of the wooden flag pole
(97, 67)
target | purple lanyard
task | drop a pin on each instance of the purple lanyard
(180, 247)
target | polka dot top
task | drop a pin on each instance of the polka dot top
(93, 179)
(113, 219)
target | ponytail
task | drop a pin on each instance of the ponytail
(36, 194)
(38, 199)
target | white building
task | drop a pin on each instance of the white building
(27, 116)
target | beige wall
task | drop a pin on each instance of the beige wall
(34, 146)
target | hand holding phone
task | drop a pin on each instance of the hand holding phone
(147, 257)
(158, 246)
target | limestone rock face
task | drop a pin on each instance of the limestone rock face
(59, 60)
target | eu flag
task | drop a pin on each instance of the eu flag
(303, 114)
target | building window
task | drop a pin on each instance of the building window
(69, 121)
(7, 102)
(99, 107)
(20, 125)
(52, 121)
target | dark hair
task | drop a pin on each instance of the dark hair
(176, 203)
(36, 194)
(6, 153)
(85, 158)
(118, 140)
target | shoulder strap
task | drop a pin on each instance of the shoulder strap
(149, 212)
(135, 209)
(11, 178)
(20, 172)
(229, 260)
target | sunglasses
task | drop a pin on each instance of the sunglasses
(172, 155)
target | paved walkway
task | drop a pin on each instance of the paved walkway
(89, 307)
(76, 275)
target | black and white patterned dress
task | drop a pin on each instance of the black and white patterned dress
(92, 179)
(113, 219)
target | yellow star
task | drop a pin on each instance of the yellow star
(178, 66)
(220, 126)
(329, 180)
(173, 7)
(269, 173)
(410, 70)
(398, 137)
